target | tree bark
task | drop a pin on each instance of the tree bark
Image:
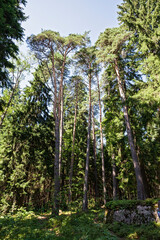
(55, 208)
(95, 156)
(114, 174)
(61, 132)
(61, 112)
(85, 188)
(142, 167)
(73, 144)
(102, 150)
(58, 114)
(140, 185)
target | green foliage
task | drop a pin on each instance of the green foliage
(142, 18)
(11, 17)
(27, 137)
(26, 153)
(70, 225)
(143, 232)
(110, 43)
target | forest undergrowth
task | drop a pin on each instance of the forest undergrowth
(29, 225)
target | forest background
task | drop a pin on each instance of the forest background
(86, 128)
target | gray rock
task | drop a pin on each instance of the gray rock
(139, 215)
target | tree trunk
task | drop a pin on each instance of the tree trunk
(102, 150)
(114, 174)
(95, 156)
(58, 107)
(140, 186)
(61, 132)
(73, 145)
(85, 189)
(55, 210)
(61, 113)
(142, 167)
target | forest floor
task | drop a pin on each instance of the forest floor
(69, 226)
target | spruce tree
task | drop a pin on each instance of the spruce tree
(11, 17)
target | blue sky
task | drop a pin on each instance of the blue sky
(71, 16)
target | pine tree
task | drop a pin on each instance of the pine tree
(86, 60)
(52, 51)
(110, 44)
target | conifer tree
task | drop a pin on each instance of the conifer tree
(110, 44)
(101, 136)
(142, 19)
(16, 74)
(76, 80)
(49, 46)
(11, 17)
(26, 151)
(86, 60)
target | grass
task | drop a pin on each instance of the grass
(144, 232)
(71, 226)
(76, 226)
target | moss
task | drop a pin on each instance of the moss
(130, 204)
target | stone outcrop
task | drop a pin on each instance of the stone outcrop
(135, 215)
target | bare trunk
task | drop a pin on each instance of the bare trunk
(142, 167)
(61, 114)
(55, 210)
(57, 114)
(102, 150)
(85, 189)
(140, 186)
(61, 132)
(114, 177)
(73, 144)
(95, 157)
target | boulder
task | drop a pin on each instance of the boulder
(135, 214)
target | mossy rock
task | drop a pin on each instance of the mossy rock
(130, 204)
(132, 211)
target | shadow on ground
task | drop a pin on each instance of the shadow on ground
(77, 226)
